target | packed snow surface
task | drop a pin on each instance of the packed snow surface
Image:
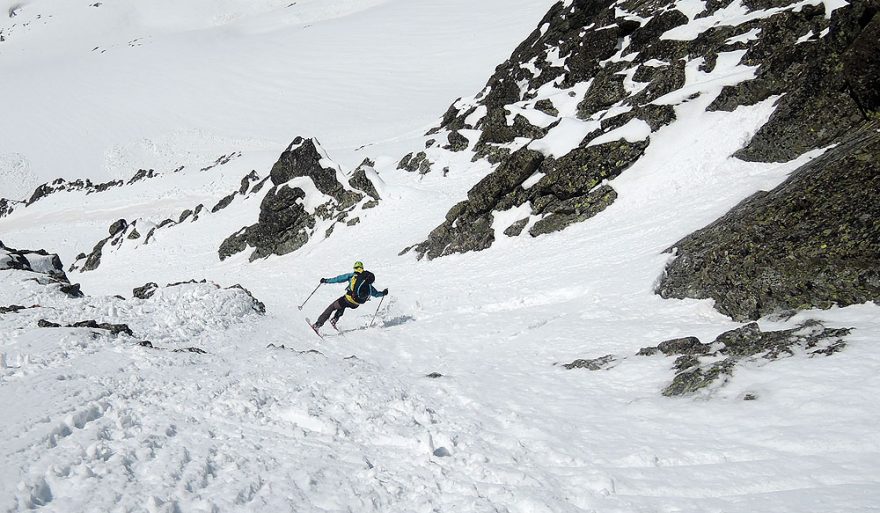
(446, 395)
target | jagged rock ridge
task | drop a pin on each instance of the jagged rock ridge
(611, 65)
(143, 231)
(307, 187)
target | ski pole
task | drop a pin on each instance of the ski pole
(310, 296)
(377, 311)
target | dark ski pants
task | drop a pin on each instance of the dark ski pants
(338, 306)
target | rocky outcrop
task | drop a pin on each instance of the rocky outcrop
(592, 364)
(7, 206)
(114, 329)
(704, 367)
(142, 174)
(821, 82)
(90, 262)
(222, 160)
(363, 179)
(699, 366)
(616, 61)
(62, 185)
(122, 230)
(306, 190)
(468, 225)
(575, 45)
(567, 190)
(861, 64)
(146, 291)
(418, 162)
(812, 241)
(47, 265)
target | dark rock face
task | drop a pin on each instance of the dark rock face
(235, 243)
(223, 203)
(195, 350)
(142, 174)
(457, 142)
(284, 224)
(361, 181)
(93, 259)
(862, 64)
(568, 192)
(303, 159)
(821, 93)
(246, 182)
(812, 241)
(62, 185)
(468, 225)
(700, 366)
(118, 226)
(418, 162)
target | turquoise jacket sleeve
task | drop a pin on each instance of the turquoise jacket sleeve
(341, 278)
(374, 292)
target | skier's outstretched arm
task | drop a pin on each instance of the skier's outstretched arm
(338, 279)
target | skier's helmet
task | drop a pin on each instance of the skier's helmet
(358, 266)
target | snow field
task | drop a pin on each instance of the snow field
(349, 73)
(353, 423)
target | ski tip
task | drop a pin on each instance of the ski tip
(314, 329)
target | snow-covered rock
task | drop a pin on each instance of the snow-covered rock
(310, 194)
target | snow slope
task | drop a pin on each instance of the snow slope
(353, 422)
(99, 92)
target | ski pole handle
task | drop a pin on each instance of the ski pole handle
(377, 311)
(310, 296)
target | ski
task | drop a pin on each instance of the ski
(313, 328)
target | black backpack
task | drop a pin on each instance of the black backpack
(360, 286)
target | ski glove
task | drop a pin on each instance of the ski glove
(385, 292)
(323, 280)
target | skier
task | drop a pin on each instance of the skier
(358, 292)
